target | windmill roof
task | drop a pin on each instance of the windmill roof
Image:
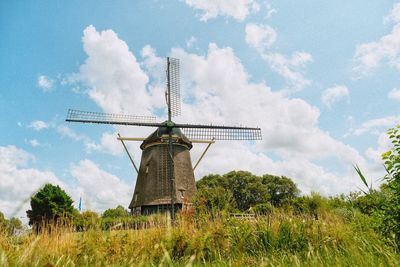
(156, 136)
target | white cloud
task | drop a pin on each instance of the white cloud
(45, 83)
(394, 94)
(110, 144)
(68, 132)
(100, 189)
(238, 9)
(191, 42)
(376, 126)
(260, 36)
(290, 68)
(34, 142)
(116, 81)
(270, 10)
(383, 145)
(369, 56)
(18, 182)
(334, 94)
(394, 15)
(38, 125)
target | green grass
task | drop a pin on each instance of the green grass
(277, 240)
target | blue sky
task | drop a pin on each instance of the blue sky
(319, 77)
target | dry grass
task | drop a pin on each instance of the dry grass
(276, 240)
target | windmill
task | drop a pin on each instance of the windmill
(165, 177)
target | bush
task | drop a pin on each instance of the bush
(119, 211)
(86, 220)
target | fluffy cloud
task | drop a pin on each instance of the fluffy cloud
(383, 145)
(116, 81)
(260, 36)
(34, 142)
(238, 9)
(394, 94)
(269, 10)
(45, 83)
(375, 126)
(369, 56)
(110, 144)
(38, 125)
(100, 189)
(334, 94)
(394, 14)
(19, 182)
(291, 68)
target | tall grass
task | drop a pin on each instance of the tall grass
(275, 240)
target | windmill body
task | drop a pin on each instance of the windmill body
(153, 187)
(165, 179)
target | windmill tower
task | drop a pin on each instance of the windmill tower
(165, 178)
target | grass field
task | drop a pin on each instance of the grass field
(339, 238)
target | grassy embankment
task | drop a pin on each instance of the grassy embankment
(338, 238)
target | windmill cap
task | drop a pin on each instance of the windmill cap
(158, 135)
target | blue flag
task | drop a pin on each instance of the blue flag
(80, 204)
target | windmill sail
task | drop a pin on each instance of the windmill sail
(107, 118)
(208, 132)
(173, 87)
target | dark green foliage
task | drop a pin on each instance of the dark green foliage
(213, 199)
(247, 189)
(372, 202)
(50, 205)
(280, 189)
(242, 190)
(309, 204)
(119, 211)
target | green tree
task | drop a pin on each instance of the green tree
(280, 189)
(245, 189)
(49, 205)
(118, 212)
(214, 199)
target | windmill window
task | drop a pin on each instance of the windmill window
(136, 196)
(147, 169)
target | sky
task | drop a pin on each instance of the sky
(321, 79)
